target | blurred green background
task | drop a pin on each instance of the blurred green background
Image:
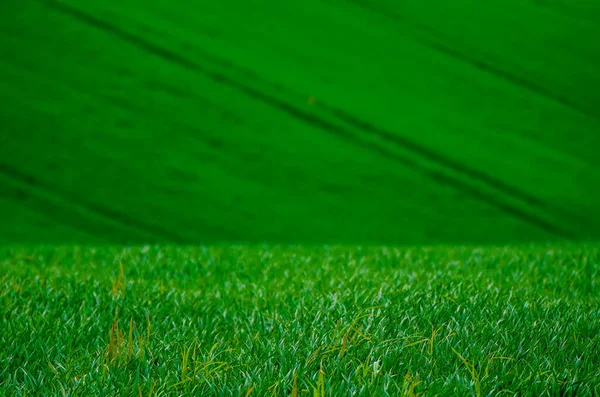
(331, 121)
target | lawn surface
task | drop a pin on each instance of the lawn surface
(322, 121)
(300, 321)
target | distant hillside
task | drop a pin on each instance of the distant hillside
(334, 121)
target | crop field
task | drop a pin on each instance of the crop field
(299, 321)
(331, 121)
(288, 198)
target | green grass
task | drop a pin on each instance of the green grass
(293, 321)
(150, 121)
(338, 122)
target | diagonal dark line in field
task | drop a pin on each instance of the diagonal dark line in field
(443, 161)
(308, 118)
(477, 63)
(440, 177)
(115, 216)
(53, 211)
(438, 158)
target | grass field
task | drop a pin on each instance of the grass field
(265, 167)
(258, 321)
(330, 121)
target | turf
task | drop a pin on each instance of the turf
(152, 121)
(259, 321)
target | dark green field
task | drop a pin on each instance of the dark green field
(333, 121)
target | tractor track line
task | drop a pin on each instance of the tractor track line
(115, 216)
(477, 63)
(49, 209)
(443, 161)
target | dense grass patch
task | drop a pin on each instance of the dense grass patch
(296, 321)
